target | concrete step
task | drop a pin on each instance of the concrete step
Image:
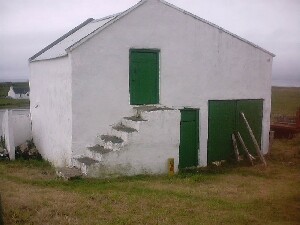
(123, 132)
(111, 142)
(68, 173)
(133, 122)
(84, 163)
(149, 112)
(96, 152)
(138, 110)
(123, 128)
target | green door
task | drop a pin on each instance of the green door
(225, 119)
(221, 125)
(189, 138)
(144, 77)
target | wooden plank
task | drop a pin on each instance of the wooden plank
(249, 156)
(235, 148)
(259, 153)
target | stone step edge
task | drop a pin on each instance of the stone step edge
(68, 173)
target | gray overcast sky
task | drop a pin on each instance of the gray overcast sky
(26, 26)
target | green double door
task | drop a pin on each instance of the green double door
(225, 119)
(189, 138)
(144, 77)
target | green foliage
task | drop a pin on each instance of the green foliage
(28, 153)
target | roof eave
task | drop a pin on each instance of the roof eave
(60, 39)
(50, 58)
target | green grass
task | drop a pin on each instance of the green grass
(240, 195)
(13, 103)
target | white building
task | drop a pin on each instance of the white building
(198, 77)
(18, 92)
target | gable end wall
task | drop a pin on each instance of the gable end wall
(198, 63)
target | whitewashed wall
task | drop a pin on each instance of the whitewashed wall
(198, 63)
(50, 106)
(148, 150)
(21, 125)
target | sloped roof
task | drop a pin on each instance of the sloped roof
(21, 90)
(58, 48)
(90, 27)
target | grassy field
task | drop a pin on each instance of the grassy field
(285, 100)
(12, 103)
(7, 103)
(32, 194)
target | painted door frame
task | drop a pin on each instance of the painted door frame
(150, 50)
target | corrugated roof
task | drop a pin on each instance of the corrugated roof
(90, 27)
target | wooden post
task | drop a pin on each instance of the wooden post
(171, 166)
(259, 153)
(249, 156)
(235, 148)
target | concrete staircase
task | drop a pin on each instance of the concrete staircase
(119, 138)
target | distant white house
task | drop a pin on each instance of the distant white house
(162, 84)
(18, 92)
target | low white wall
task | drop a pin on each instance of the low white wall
(2, 112)
(21, 125)
(16, 128)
